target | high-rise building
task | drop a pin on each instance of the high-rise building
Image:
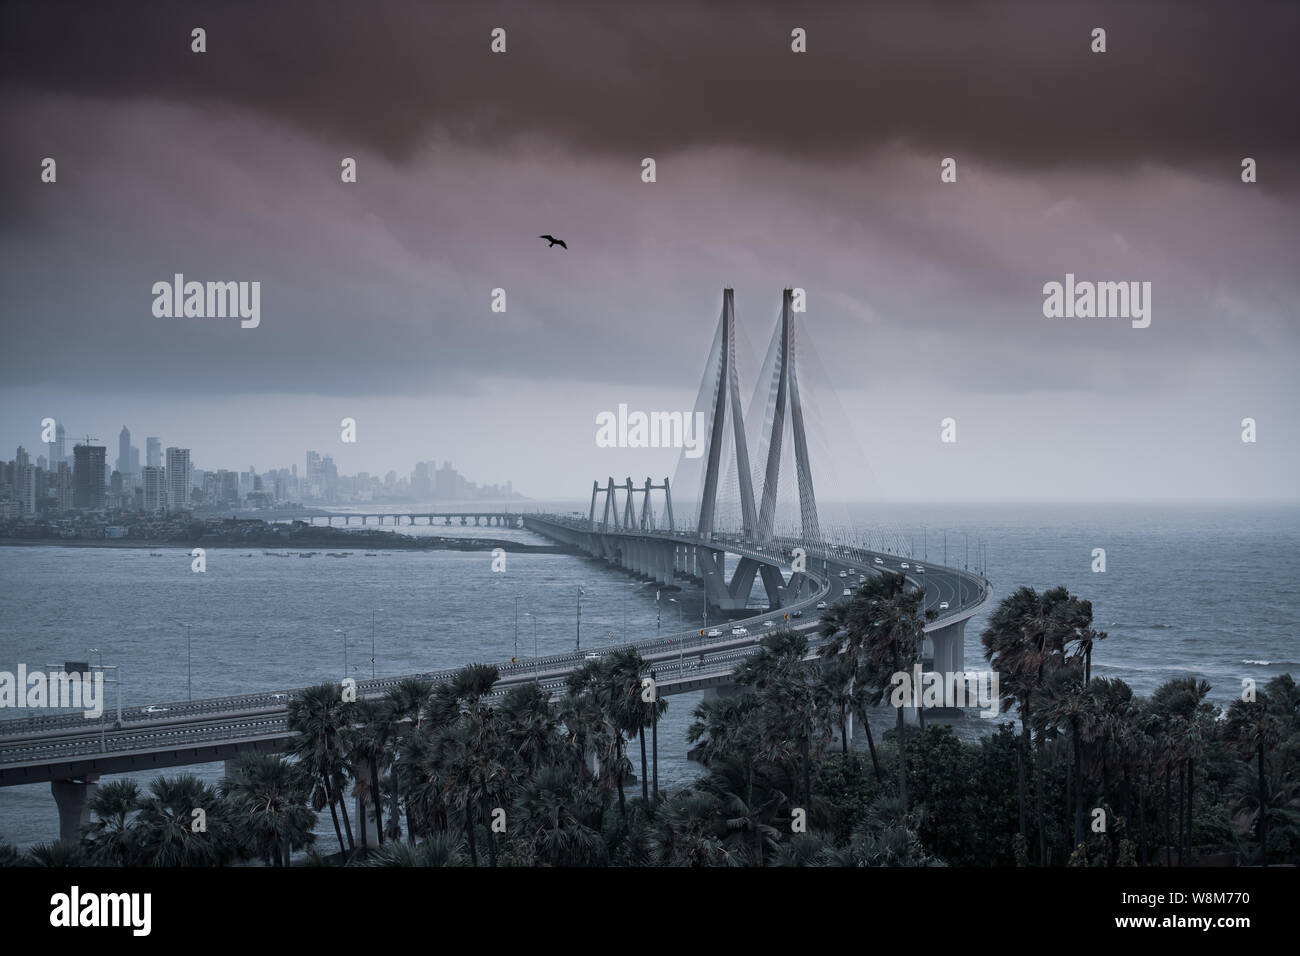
(447, 484)
(312, 477)
(56, 450)
(24, 482)
(155, 491)
(124, 450)
(88, 476)
(178, 478)
(135, 462)
(63, 488)
(153, 452)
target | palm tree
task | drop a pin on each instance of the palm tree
(787, 701)
(748, 799)
(531, 727)
(108, 837)
(627, 714)
(1113, 730)
(1028, 637)
(887, 616)
(1252, 730)
(368, 750)
(406, 703)
(269, 798)
(320, 719)
(558, 820)
(468, 748)
(1189, 717)
(61, 854)
(440, 849)
(687, 832)
(165, 830)
(866, 689)
(1063, 701)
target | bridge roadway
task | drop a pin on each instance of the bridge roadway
(66, 749)
(504, 519)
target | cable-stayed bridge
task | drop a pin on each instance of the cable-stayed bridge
(752, 539)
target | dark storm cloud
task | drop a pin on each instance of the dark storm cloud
(1184, 83)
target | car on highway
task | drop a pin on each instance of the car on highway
(844, 574)
(769, 623)
(739, 632)
(943, 605)
(846, 593)
(879, 561)
(796, 613)
(714, 632)
(279, 698)
(153, 709)
(821, 605)
(592, 657)
(853, 570)
(904, 565)
(920, 570)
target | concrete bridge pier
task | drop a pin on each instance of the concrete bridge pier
(721, 692)
(73, 799)
(949, 647)
(949, 657)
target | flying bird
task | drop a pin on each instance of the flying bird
(554, 242)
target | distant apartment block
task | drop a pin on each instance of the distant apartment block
(88, 476)
(178, 478)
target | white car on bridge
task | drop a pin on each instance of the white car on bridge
(943, 605)
(878, 561)
(821, 605)
(739, 632)
(714, 632)
(904, 565)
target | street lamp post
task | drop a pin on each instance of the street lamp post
(681, 638)
(536, 672)
(189, 672)
(373, 611)
(516, 655)
(578, 644)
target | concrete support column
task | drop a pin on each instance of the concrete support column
(721, 691)
(949, 648)
(73, 799)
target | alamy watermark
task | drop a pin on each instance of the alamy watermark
(946, 689)
(210, 300)
(58, 689)
(1101, 300)
(651, 430)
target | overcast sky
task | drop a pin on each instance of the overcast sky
(818, 170)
